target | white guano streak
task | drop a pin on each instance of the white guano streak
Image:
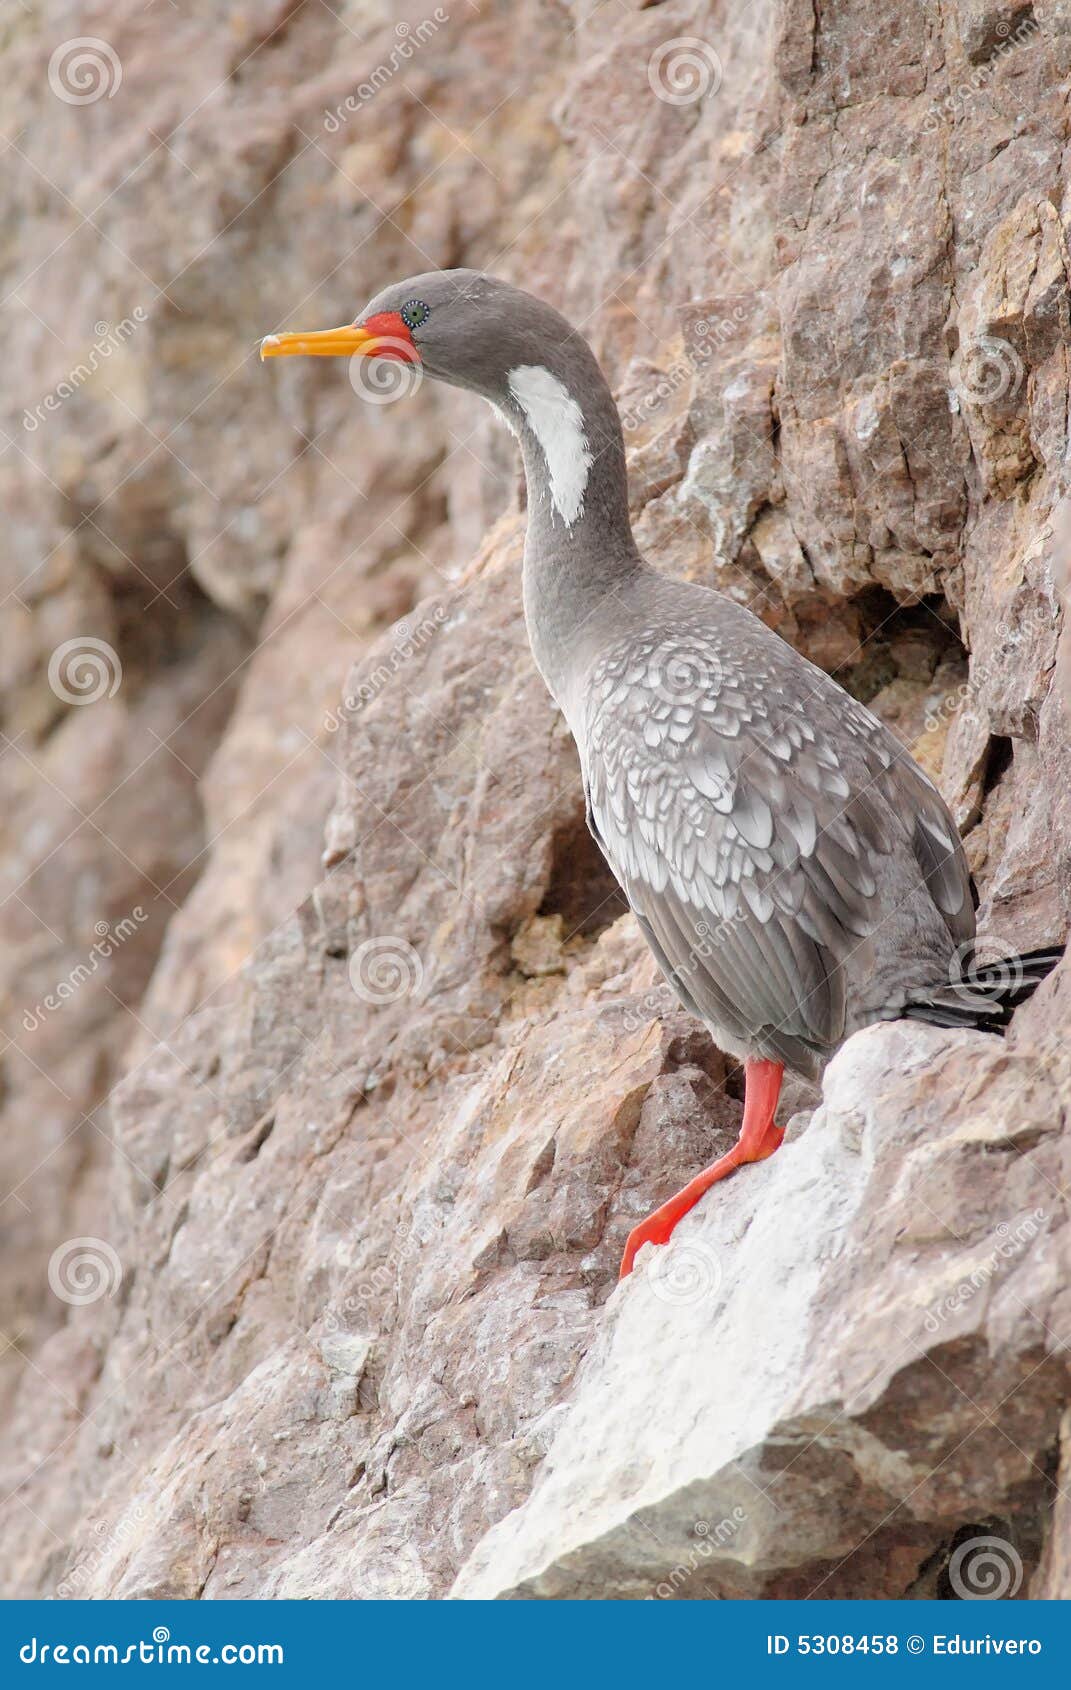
(558, 424)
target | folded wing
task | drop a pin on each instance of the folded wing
(760, 830)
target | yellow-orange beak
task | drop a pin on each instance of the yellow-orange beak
(321, 343)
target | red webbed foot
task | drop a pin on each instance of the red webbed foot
(759, 1138)
(656, 1229)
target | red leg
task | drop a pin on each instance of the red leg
(759, 1138)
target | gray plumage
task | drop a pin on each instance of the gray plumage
(793, 870)
(795, 873)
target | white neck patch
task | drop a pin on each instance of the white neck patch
(558, 424)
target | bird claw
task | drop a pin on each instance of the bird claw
(651, 1231)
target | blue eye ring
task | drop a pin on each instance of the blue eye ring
(414, 313)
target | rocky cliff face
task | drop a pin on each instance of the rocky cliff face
(336, 1071)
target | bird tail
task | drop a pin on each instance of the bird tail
(983, 995)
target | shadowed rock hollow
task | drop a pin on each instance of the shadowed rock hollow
(368, 1097)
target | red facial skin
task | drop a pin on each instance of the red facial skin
(392, 327)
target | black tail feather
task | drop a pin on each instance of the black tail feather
(950, 1015)
(987, 994)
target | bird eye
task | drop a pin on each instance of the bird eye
(414, 312)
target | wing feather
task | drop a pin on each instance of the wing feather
(752, 822)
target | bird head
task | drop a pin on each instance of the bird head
(459, 326)
(474, 331)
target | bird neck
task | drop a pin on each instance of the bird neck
(579, 553)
